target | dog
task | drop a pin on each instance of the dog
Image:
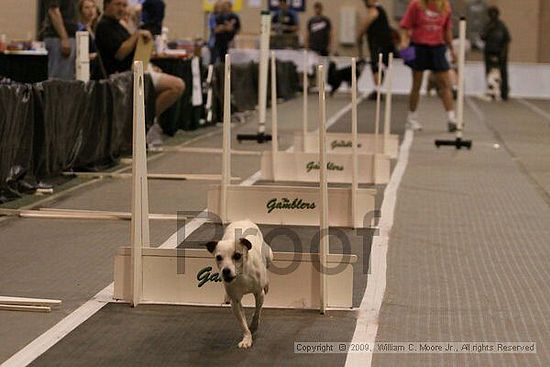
(494, 82)
(337, 76)
(243, 258)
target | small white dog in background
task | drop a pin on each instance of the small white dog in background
(493, 85)
(243, 257)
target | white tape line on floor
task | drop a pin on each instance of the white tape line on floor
(369, 311)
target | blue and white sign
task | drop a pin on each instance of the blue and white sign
(296, 5)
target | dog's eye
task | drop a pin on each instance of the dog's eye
(219, 258)
(237, 256)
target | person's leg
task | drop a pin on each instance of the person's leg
(444, 82)
(414, 98)
(377, 78)
(59, 66)
(168, 89)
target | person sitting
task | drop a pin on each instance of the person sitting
(285, 20)
(117, 48)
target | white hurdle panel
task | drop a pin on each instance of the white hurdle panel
(145, 275)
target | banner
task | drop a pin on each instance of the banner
(208, 5)
(296, 5)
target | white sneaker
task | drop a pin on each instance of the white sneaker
(412, 122)
(154, 135)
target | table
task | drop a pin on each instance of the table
(24, 66)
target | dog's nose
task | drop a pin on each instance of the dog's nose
(226, 272)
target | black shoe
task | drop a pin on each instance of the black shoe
(451, 126)
(372, 96)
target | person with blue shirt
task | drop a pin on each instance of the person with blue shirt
(212, 29)
(228, 24)
(285, 20)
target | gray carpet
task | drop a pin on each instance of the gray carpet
(469, 251)
(196, 336)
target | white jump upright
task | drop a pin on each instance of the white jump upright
(140, 197)
(82, 56)
(226, 157)
(305, 87)
(459, 142)
(389, 96)
(461, 68)
(378, 109)
(354, 141)
(274, 116)
(323, 190)
(264, 64)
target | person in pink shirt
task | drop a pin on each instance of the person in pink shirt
(427, 28)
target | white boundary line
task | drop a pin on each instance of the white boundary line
(49, 338)
(535, 109)
(367, 320)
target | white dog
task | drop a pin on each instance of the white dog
(243, 257)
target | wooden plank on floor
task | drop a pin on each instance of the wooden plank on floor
(152, 176)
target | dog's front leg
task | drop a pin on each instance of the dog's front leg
(237, 308)
(256, 318)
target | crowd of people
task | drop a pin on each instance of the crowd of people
(426, 33)
(113, 41)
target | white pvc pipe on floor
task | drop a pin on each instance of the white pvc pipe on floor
(355, 168)
(323, 183)
(274, 116)
(226, 159)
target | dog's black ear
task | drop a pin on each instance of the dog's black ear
(246, 243)
(211, 246)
